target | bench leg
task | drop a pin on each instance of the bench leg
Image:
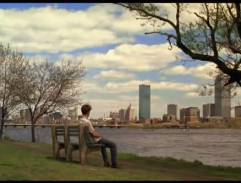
(54, 151)
(65, 153)
(69, 153)
(58, 152)
(83, 155)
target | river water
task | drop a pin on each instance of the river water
(210, 146)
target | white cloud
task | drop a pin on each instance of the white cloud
(90, 86)
(132, 57)
(133, 85)
(206, 71)
(193, 94)
(124, 88)
(114, 75)
(50, 29)
(166, 85)
(187, 14)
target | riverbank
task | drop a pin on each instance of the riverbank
(29, 161)
(234, 124)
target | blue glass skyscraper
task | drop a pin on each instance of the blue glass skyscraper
(144, 102)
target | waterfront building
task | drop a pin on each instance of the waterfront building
(237, 111)
(182, 115)
(122, 115)
(115, 116)
(208, 111)
(169, 118)
(155, 121)
(144, 102)
(75, 112)
(130, 114)
(55, 116)
(172, 110)
(190, 114)
(222, 97)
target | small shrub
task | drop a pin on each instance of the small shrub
(197, 162)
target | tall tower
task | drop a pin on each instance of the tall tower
(222, 97)
(127, 114)
(122, 114)
(172, 110)
(144, 102)
(208, 110)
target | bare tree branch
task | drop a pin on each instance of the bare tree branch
(11, 63)
(203, 39)
(46, 86)
(147, 13)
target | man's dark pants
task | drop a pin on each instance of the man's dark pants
(113, 151)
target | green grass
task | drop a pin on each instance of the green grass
(33, 161)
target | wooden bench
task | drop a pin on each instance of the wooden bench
(85, 143)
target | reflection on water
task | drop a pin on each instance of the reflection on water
(211, 146)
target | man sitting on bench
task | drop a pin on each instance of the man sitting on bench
(85, 109)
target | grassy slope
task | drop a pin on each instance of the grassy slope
(27, 161)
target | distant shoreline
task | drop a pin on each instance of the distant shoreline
(165, 125)
(195, 125)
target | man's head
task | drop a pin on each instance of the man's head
(85, 109)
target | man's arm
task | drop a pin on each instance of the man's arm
(93, 131)
(96, 134)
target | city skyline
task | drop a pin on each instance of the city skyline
(117, 62)
(220, 108)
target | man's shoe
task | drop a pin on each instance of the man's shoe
(114, 166)
(106, 164)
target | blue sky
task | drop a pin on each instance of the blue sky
(68, 6)
(112, 46)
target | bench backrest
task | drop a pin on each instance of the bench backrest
(57, 131)
(73, 131)
(80, 131)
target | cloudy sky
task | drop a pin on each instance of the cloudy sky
(111, 44)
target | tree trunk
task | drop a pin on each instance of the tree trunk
(1, 130)
(33, 131)
(2, 123)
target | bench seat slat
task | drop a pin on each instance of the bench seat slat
(59, 129)
(95, 145)
(90, 145)
(59, 134)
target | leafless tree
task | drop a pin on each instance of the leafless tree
(46, 87)
(215, 35)
(11, 63)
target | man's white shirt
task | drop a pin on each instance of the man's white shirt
(87, 122)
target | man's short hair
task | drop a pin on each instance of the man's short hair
(85, 109)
